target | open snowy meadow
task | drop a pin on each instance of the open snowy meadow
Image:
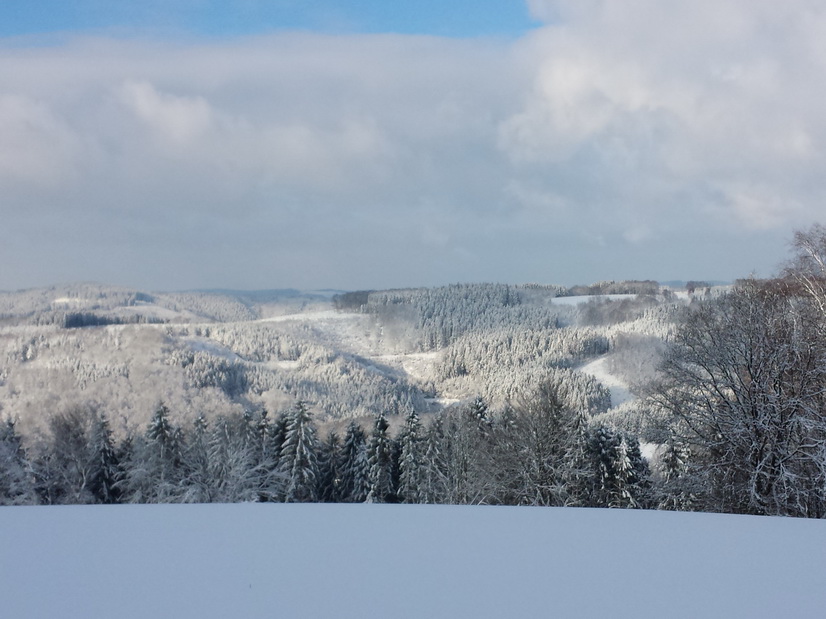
(300, 560)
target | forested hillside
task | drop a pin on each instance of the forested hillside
(620, 394)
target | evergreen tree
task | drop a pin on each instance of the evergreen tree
(105, 470)
(478, 410)
(620, 472)
(277, 435)
(355, 470)
(329, 465)
(380, 461)
(433, 488)
(299, 457)
(411, 462)
(153, 472)
(677, 489)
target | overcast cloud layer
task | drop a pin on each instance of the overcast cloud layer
(639, 139)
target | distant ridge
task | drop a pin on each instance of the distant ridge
(680, 283)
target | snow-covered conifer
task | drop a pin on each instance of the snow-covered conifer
(355, 469)
(411, 462)
(299, 457)
(380, 460)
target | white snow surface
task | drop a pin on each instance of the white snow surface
(619, 389)
(274, 560)
(580, 299)
(312, 316)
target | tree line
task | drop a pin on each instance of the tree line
(541, 452)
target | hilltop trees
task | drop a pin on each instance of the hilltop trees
(744, 380)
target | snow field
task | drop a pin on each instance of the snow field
(311, 560)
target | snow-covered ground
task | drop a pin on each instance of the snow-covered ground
(577, 300)
(619, 389)
(314, 316)
(270, 560)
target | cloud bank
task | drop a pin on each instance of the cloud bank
(620, 140)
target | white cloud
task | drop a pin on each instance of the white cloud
(36, 146)
(709, 96)
(378, 160)
(178, 119)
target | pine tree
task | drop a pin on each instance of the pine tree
(105, 471)
(677, 491)
(639, 481)
(411, 462)
(478, 410)
(620, 472)
(277, 435)
(433, 488)
(329, 465)
(299, 457)
(355, 470)
(380, 460)
(153, 472)
(603, 447)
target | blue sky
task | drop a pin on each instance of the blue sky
(251, 144)
(464, 18)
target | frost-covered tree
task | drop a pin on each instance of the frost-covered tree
(743, 380)
(198, 479)
(153, 471)
(620, 476)
(277, 435)
(299, 457)
(355, 469)
(234, 476)
(329, 466)
(411, 461)
(106, 472)
(434, 484)
(678, 487)
(380, 462)
(459, 465)
(808, 266)
(77, 462)
(16, 478)
(540, 451)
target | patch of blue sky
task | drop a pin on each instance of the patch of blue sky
(215, 18)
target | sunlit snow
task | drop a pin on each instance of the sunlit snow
(364, 561)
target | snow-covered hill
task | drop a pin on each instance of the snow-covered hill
(275, 560)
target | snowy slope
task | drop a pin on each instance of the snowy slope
(620, 393)
(268, 560)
